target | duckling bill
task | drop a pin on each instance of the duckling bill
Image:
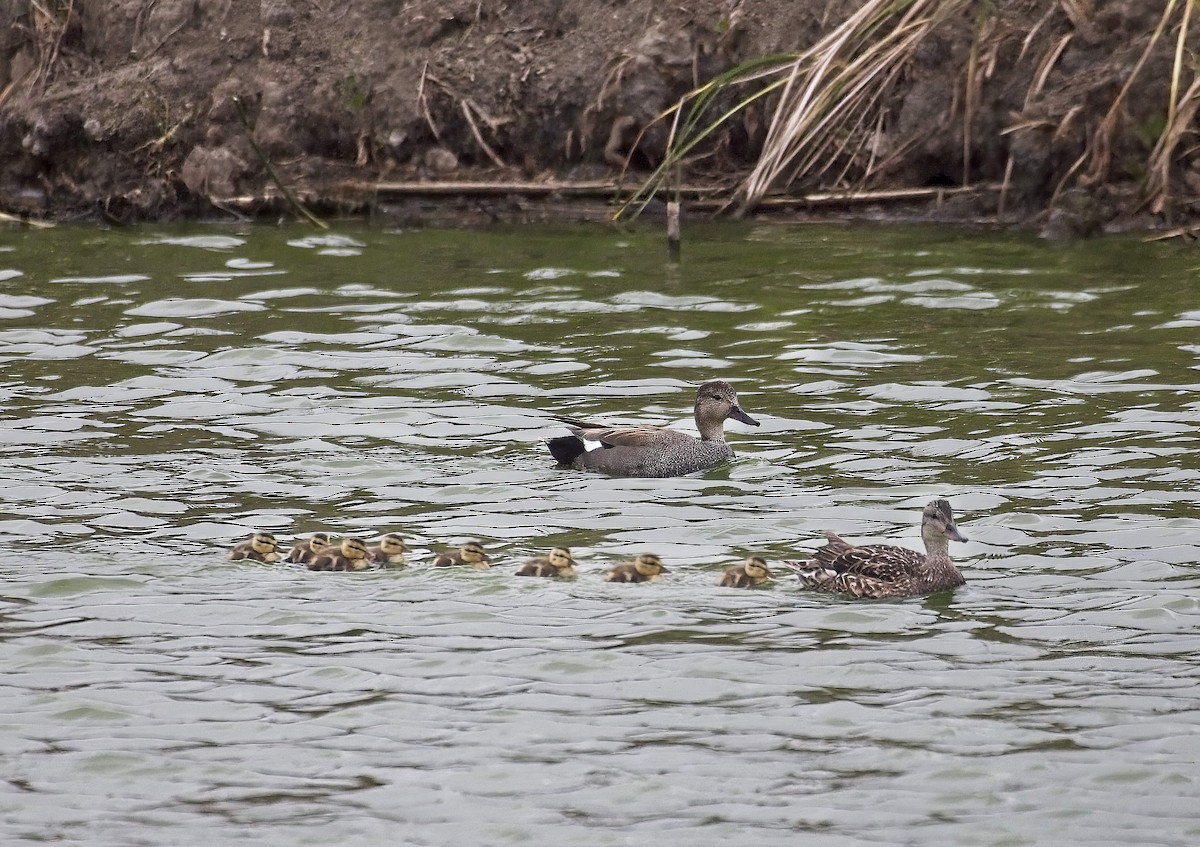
(883, 570)
(650, 451)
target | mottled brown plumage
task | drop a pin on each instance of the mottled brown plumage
(558, 563)
(752, 572)
(303, 552)
(645, 568)
(882, 570)
(350, 556)
(259, 547)
(470, 554)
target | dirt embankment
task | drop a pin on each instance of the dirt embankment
(130, 108)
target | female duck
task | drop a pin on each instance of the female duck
(470, 554)
(389, 552)
(881, 570)
(303, 552)
(259, 547)
(651, 451)
(558, 563)
(351, 556)
(645, 568)
(748, 574)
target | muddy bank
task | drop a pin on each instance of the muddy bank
(127, 109)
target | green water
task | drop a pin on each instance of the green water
(165, 391)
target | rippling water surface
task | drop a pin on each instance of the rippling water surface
(165, 391)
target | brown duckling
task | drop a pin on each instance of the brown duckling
(752, 572)
(259, 547)
(471, 554)
(303, 552)
(389, 552)
(351, 556)
(558, 563)
(645, 568)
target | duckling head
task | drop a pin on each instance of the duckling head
(756, 568)
(647, 564)
(560, 557)
(263, 543)
(354, 549)
(319, 542)
(392, 544)
(473, 553)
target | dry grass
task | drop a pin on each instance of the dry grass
(49, 20)
(1181, 113)
(830, 99)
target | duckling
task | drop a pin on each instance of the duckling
(351, 556)
(260, 547)
(752, 572)
(645, 568)
(558, 563)
(471, 554)
(390, 551)
(883, 570)
(303, 552)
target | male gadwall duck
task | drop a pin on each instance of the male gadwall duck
(651, 450)
(558, 563)
(470, 554)
(259, 547)
(352, 555)
(752, 572)
(303, 552)
(882, 570)
(645, 568)
(389, 552)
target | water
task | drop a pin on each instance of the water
(164, 391)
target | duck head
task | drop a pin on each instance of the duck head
(716, 401)
(937, 523)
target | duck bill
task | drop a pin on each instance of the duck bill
(954, 535)
(738, 415)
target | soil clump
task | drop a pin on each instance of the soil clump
(131, 110)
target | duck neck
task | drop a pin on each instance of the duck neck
(711, 430)
(937, 550)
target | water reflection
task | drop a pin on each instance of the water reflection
(164, 391)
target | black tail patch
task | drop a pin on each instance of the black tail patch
(566, 448)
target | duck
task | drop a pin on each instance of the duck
(883, 570)
(558, 563)
(389, 552)
(748, 574)
(645, 568)
(352, 555)
(303, 552)
(651, 451)
(471, 554)
(259, 547)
